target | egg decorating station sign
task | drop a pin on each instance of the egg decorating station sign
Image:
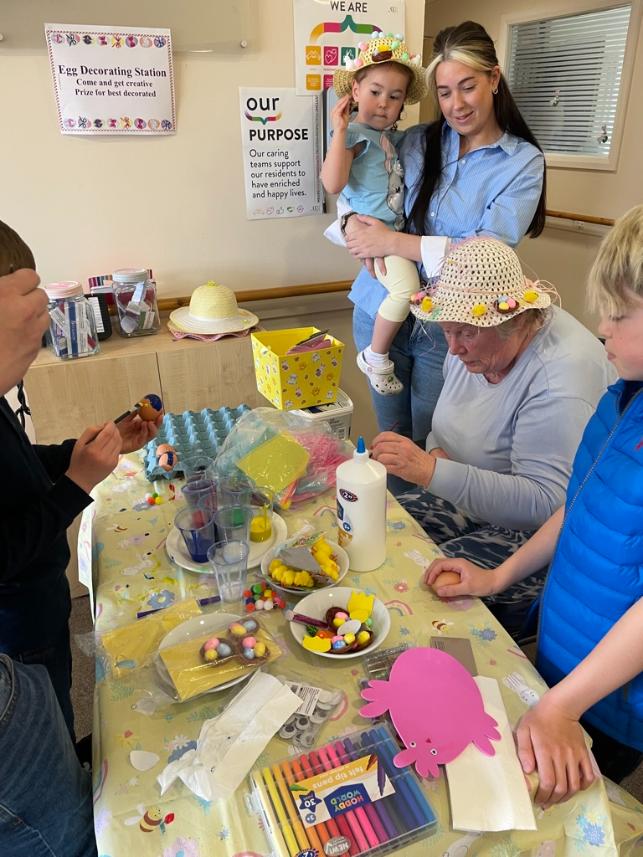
(281, 139)
(110, 80)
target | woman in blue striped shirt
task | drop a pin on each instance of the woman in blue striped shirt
(477, 170)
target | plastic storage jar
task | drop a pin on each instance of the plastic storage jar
(135, 295)
(72, 329)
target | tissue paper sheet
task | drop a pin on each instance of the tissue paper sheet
(230, 744)
(490, 793)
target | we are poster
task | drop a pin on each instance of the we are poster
(281, 140)
(110, 80)
(327, 33)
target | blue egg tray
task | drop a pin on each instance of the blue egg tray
(191, 433)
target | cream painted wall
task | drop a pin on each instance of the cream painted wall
(177, 204)
(560, 256)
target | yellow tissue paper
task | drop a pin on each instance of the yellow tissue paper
(192, 676)
(275, 463)
(132, 645)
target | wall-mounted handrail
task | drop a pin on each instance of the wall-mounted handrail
(581, 218)
(247, 295)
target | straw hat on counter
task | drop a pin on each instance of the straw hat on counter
(213, 310)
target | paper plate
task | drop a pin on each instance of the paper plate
(341, 559)
(187, 323)
(317, 603)
(178, 553)
(207, 623)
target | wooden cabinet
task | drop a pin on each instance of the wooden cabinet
(65, 396)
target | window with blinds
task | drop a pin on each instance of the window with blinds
(566, 76)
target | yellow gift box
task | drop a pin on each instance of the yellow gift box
(291, 381)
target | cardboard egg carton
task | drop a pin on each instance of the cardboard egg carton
(191, 433)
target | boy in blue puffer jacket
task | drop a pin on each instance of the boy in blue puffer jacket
(590, 641)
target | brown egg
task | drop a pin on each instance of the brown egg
(164, 447)
(149, 407)
(445, 579)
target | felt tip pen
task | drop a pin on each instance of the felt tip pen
(416, 800)
(350, 815)
(376, 812)
(202, 602)
(364, 818)
(318, 834)
(340, 820)
(286, 829)
(291, 809)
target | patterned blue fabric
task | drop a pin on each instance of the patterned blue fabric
(597, 571)
(490, 191)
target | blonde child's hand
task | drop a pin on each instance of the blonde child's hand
(341, 113)
(94, 456)
(473, 579)
(552, 742)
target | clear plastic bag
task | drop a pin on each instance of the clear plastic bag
(280, 451)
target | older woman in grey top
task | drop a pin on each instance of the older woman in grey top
(522, 379)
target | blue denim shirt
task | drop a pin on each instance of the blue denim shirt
(493, 191)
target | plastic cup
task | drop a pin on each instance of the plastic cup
(233, 523)
(229, 561)
(234, 491)
(201, 493)
(261, 521)
(198, 531)
(197, 467)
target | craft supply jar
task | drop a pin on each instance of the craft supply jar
(72, 327)
(135, 295)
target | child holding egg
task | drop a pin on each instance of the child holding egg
(46, 487)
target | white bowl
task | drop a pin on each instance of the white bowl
(341, 558)
(317, 603)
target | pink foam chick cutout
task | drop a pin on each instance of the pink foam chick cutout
(436, 709)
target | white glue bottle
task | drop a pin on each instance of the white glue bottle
(361, 509)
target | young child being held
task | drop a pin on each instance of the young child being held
(590, 641)
(362, 164)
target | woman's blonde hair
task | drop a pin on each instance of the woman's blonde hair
(618, 266)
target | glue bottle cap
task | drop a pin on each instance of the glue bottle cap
(360, 452)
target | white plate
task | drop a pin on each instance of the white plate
(208, 623)
(178, 553)
(341, 559)
(317, 603)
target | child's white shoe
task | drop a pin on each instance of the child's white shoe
(381, 378)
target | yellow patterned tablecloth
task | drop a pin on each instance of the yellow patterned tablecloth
(132, 572)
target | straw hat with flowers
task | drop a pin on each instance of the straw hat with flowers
(382, 49)
(481, 283)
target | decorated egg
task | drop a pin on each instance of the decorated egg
(166, 461)
(149, 407)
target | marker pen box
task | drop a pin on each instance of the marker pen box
(345, 796)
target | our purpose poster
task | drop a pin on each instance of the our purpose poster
(281, 137)
(109, 80)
